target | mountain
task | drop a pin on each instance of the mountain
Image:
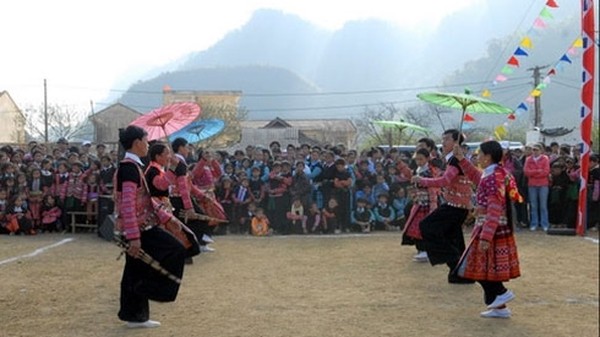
(365, 63)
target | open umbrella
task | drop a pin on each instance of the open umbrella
(163, 121)
(402, 125)
(199, 130)
(464, 102)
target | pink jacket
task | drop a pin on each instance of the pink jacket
(537, 171)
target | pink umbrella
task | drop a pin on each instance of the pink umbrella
(163, 121)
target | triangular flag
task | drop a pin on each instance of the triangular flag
(500, 132)
(578, 43)
(539, 23)
(506, 70)
(546, 13)
(501, 78)
(486, 93)
(529, 99)
(512, 117)
(541, 86)
(551, 3)
(526, 42)
(565, 58)
(552, 72)
(572, 51)
(536, 93)
(547, 80)
(522, 106)
(559, 67)
(513, 61)
(520, 52)
(469, 118)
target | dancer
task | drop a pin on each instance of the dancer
(138, 223)
(491, 257)
(425, 201)
(442, 229)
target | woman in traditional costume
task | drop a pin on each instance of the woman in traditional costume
(491, 257)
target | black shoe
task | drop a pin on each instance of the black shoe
(189, 260)
(459, 280)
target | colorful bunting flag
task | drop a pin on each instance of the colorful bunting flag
(526, 43)
(500, 132)
(501, 78)
(539, 24)
(520, 52)
(506, 70)
(486, 93)
(546, 13)
(468, 118)
(536, 93)
(552, 4)
(522, 106)
(566, 58)
(578, 43)
(512, 117)
(513, 61)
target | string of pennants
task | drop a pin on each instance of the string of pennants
(557, 67)
(523, 107)
(525, 46)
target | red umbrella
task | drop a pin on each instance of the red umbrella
(163, 121)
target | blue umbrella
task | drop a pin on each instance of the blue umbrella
(199, 130)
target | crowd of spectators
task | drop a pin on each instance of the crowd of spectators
(296, 190)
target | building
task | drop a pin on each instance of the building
(107, 122)
(12, 128)
(299, 131)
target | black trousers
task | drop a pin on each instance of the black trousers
(140, 283)
(199, 227)
(442, 235)
(491, 289)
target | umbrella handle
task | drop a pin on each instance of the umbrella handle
(462, 118)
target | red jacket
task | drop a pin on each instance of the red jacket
(537, 171)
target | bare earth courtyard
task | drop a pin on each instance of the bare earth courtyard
(341, 285)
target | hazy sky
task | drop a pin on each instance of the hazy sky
(83, 47)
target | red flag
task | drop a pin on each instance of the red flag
(469, 118)
(512, 117)
(513, 61)
(552, 72)
(551, 3)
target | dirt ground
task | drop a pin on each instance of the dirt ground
(343, 285)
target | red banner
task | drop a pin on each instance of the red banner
(587, 100)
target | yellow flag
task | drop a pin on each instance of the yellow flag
(526, 42)
(486, 93)
(578, 43)
(536, 93)
(500, 132)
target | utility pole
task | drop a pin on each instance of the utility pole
(45, 112)
(537, 107)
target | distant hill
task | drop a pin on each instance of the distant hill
(276, 53)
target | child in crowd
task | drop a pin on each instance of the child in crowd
(400, 202)
(385, 215)
(381, 186)
(257, 187)
(50, 215)
(314, 224)
(260, 223)
(18, 217)
(245, 219)
(36, 194)
(3, 207)
(362, 218)
(242, 197)
(296, 220)
(330, 217)
(91, 194)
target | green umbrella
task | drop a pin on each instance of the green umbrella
(402, 125)
(464, 102)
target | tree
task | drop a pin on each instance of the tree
(63, 121)
(231, 115)
(373, 135)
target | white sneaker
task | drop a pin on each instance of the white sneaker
(206, 249)
(145, 325)
(502, 299)
(496, 313)
(207, 239)
(421, 257)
